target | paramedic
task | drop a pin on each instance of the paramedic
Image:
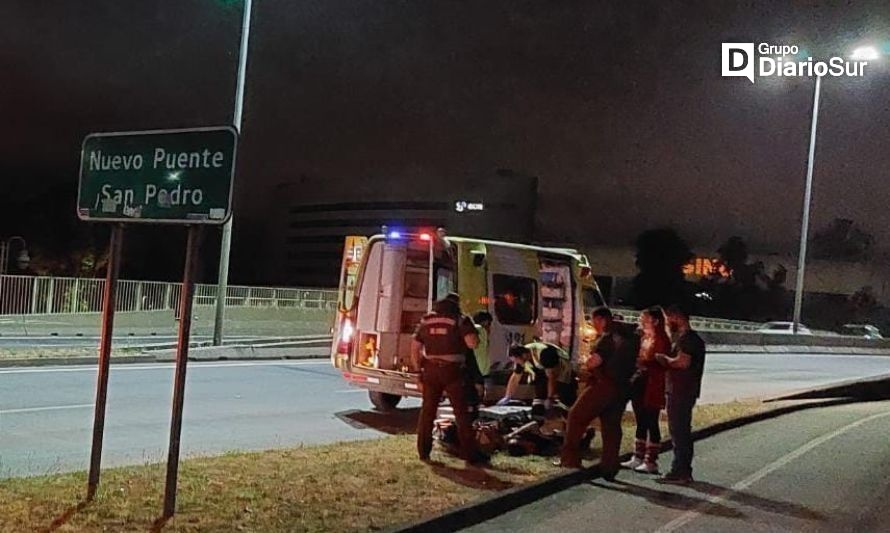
(548, 368)
(611, 364)
(439, 350)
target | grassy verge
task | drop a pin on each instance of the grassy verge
(355, 486)
(263, 321)
(51, 353)
(257, 322)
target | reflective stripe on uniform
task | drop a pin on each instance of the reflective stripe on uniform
(450, 358)
(439, 320)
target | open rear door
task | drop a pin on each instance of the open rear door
(344, 326)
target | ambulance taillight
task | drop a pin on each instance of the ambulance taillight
(347, 332)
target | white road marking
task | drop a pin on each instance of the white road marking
(49, 408)
(192, 365)
(692, 514)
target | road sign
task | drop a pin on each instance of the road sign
(162, 176)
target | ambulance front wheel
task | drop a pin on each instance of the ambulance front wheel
(384, 402)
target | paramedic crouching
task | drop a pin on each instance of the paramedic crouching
(548, 368)
(438, 349)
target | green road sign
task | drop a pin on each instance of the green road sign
(164, 176)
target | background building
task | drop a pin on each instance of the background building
(307, 219)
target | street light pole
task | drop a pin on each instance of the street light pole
(805, 221)
(226, 244)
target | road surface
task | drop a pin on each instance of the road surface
(46, 412)
(820, 470)
(737, 376)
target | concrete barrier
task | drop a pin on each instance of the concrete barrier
(751, 342)
(249, 352)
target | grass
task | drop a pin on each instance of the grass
(348, 486)
(260, 322)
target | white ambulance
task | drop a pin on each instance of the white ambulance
(389, 281)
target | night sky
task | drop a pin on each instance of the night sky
(618, 107)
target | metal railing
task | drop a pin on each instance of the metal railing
(698, 322)
(33, 295)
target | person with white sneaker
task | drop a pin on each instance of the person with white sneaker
(648, 391)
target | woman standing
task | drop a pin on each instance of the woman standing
(648, 396)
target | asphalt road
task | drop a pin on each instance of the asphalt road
(824, 469)
(46, 412)
(738, 376)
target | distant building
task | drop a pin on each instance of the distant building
(303, 234)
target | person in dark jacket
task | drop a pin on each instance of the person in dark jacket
(685, 367)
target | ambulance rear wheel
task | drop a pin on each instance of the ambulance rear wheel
(383, 401)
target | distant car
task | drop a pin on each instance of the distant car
(862, 330)
(783, 328)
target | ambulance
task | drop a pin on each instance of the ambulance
(389, 281)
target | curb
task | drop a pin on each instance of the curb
(870, 388)
(477, 512)
(73, 361)
(748, 349)
(247, 353)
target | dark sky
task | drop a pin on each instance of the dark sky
(619, 107)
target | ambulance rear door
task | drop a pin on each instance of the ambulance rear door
(513, 293)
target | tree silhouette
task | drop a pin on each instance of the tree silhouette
(734, 253)
(749, 292)
(661, 254)
(842, 241)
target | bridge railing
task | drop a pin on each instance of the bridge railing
(698, 322)
(43, 295)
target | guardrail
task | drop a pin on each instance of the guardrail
(39, 295)
(698, 322)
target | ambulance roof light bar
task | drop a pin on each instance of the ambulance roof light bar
(423, 235)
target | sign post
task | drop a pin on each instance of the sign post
(182, 354)
(180, 177)
(108, 304)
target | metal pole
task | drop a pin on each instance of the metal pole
(226, 244)
(182, 354)
(805, 222)
(431, 292)
(108, 304)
